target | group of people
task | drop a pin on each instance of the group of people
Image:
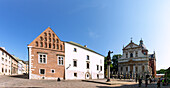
(164, 82)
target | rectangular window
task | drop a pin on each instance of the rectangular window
(136, 53)
(126, 55)
(75, 74)
(52, 71)
(100, 68)
(2, 59)
(88, 57)
(88, 65)
(60, 60)
(43, 58)
(42, 71)
(75, 63)
(97, 67)
(2, 53)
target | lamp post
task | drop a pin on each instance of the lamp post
(108, 65)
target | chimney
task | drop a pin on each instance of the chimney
(85, 45)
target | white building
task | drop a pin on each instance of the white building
(82, 63)
(5, 62)
(134, 61)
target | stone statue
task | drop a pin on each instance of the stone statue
(108, 65)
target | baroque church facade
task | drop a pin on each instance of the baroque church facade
(136, 62)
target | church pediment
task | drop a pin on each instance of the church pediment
(131, 45)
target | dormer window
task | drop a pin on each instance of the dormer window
(75, 50)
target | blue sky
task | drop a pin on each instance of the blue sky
(102, 25)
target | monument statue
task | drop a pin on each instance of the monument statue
(108, 65)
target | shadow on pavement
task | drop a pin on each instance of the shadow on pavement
(20, 76)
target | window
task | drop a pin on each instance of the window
(42, 71)
(75, 50)
(45, 34)
(88, 57)
(75, 74)
(53, 40)
(97, 67)
(45, 45)
(60, 60)
(100, 68)
(88, 65)
(5, 70)
(45, 39)
(57, 41)
(2, 69)
(126, 68)
(6, 55)
(126, 55)
(41, 38)
(60, 47)
(2, 59)
(131, 54)
(136, 69)
(57, 46)
(42, 58)
(121, 68)
(49, 45)
(136, 53)
(53, 46)
(52, 71)
(49, 34)
(41, 44)
(36, 43)
(53, 35)
(75, 63)
(49, 39)
(2, 53)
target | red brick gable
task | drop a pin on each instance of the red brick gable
(48, 40)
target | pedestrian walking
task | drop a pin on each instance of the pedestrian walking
(140, 82)
(146, 82)
(158, 83)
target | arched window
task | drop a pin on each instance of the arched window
(36, 43)
(45, 39)
(60, 47)
(53, 35)
(126, 55)
(131, 54)
(45, 45)
(49, 34)
(57, 41)
(45, 34)
(49, 39)
(41, 38)
(53, 46)
(57, 46)
(53, 40)
(49, 45)
(41, 44)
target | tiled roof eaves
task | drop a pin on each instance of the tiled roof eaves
(76, 44)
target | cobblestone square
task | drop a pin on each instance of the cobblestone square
(22, 81)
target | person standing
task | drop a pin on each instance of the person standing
(140, 82)
(158, 83)
(146, 82)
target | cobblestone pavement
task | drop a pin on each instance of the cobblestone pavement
(22, 81)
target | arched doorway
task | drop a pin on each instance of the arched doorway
(87, 75)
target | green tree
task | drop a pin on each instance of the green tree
(115, 63)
